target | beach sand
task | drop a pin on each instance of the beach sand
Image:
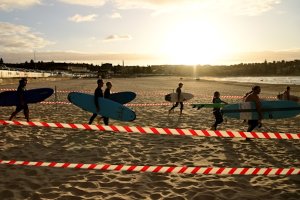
(83, 146)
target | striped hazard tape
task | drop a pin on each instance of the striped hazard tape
(160, 131)
(161, 169)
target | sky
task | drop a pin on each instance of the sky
(149, 32)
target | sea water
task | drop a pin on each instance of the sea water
(285, 80)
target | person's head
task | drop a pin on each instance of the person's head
(108, 85)
(23, 81)
(180, 85)
(256, 89)
(100, 82)
(216, 94)
(288, 88)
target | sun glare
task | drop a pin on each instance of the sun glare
(193, 42)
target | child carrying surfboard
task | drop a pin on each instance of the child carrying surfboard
(178, 91)
(216, 111)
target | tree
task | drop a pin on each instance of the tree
(1, 61)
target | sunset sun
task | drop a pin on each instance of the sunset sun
(193, 43)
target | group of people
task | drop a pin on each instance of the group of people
(98, 93)
(251, 96)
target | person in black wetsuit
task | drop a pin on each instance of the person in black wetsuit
(107, 95)
(22, 104)
(98, 93)
(178, 91)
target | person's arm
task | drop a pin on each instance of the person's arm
(224, 102)
(258, 108)
(96, 96)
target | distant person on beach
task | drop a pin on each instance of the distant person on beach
(178, 91)
(98, 93)
(216, 111)
(22, 104)
(253, 97)
(107, 95)
(286, 94)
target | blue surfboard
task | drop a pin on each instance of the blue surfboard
(270, 110)
(108, 108)
(122, 97)
(10, 98)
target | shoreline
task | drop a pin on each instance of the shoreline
(5, 81)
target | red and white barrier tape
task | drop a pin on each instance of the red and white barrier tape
(68, 91)
(142, 93)
(161, 169)
(160, 131)
(7, 89)
(129, 104)
(55, 102)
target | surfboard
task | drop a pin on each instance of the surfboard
(108, 108)
(173, 97)
(270, 110)
(122, 97)
(208, 105)
(10, 98)
(292, 97)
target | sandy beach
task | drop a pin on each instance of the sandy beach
(83, 146)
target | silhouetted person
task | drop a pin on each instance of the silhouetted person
(178, 91)
(22, 105)
(98, 93)
(253, 97)
(286, 93)
(107, 95)
(216, 111)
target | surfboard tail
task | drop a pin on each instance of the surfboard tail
(168, 97)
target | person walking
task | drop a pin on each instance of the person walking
(107, 93)
(98, 93)
(217, 111)
(253, 97)
(178, 91)
(22, 105)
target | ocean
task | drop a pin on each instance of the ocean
(284, 80)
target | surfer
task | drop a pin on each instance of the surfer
(107, 95)
(22, 104)
(178, 91)
(253, 97)
(98, 93)
(216, 111)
